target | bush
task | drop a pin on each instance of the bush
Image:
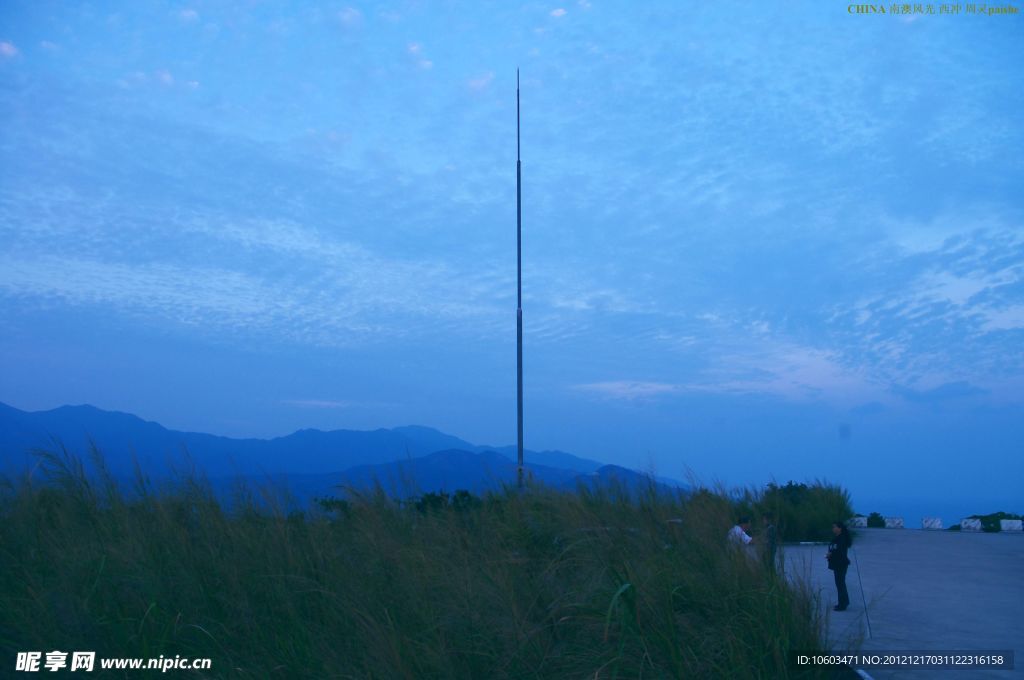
(876, 521)
(432, 502)
(337, 506)
(990, 523)
(804, 512)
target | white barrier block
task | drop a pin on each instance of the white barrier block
(970, 525)
(857, 522)
(931, 523)
(893, 522)
(1011, 525)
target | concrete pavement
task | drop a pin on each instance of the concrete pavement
(923, 590)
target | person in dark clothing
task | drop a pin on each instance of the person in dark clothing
(839, 562)
(770, 543)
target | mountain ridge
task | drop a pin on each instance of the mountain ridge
(121, 435)
(311, 462)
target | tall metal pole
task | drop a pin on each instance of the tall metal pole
(519, 291)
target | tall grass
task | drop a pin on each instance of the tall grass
(532, 584)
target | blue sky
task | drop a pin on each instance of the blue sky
(760, 240)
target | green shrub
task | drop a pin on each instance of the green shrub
(464, 501)
(432, 502)
(338, 506)
(804, 512)
(876, 521)
(991, 523)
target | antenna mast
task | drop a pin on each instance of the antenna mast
(519, 292)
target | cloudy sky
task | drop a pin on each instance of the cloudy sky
(761, 240)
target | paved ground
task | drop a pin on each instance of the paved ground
(915, 590)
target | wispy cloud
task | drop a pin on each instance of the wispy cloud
(350, 293)
(350, 16)
(930, 236)
(1008, 318)
(8, 50)
(960, 289)
(416, 51)
(790, 371)
(940, 393)
(318, 403)
(163, 77)
(134, 79)
(968, 288)
(628, 390)
(560, 12)
(188, 15)
(481, 82)
(221, 297)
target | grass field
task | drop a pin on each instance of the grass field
(532, 584)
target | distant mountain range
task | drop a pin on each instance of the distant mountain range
(403, 460)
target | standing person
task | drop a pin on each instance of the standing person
(771, 541)
(839, 562)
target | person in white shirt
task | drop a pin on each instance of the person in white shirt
(739, 535)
